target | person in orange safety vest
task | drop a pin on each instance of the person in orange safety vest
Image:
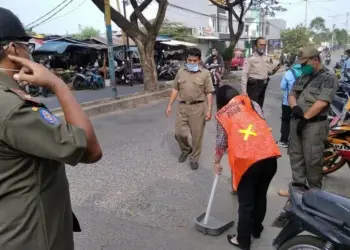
(252, 154)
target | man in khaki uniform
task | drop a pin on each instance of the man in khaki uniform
(35, 207)
(310, 101)
(193, 85)
(256, 72)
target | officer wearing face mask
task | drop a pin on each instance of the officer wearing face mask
(256, 72)
(35, 145)
(194, 87)
(310, 100)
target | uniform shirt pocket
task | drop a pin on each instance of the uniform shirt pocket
(311, 94)
(181, 83)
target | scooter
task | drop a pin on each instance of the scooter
(337, 146)
(324, 215)
(213, 68)
(327, 60)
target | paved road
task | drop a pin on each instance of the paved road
(138, 197)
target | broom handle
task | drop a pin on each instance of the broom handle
(211, 198)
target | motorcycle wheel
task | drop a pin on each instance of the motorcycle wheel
(332, 162)
(303, 242)
(78, 84)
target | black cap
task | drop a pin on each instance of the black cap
(11, 27)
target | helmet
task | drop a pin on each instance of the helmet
(11, 27)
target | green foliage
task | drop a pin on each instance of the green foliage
(86, 33)
(176, 30)
(318, 31)
(341, 36)
(293, 39)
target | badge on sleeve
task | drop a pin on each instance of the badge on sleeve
(48, 117)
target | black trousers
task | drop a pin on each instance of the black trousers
(252, 192)
(256, 91)
(285, 123)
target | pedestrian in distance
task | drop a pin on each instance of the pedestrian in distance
(35, 145)
(252, 154)
(256, 72)
(310, 101)
(193, 87)
(286, 85)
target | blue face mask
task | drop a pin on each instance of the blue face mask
(192, 67)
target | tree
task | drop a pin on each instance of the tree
(144, 36)
(176, 30)
(319, 31)
(238, 8)
(293, 39)
(341, 36)
(86, 33)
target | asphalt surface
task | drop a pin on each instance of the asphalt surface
(138, 197)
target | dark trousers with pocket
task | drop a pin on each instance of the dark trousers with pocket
(256, 91)
(252, 192)
(285, 123)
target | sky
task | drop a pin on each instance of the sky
(83, 13)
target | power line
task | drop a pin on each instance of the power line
(46, 13)
(64, 6)
(67, 13)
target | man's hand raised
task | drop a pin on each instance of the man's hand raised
(34, 73)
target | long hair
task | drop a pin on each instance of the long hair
(224, 95)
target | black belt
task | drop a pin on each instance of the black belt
(257, 80)
(190, 103)
(319, 118)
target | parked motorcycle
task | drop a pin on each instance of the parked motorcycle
(214, 68)
(87, 78)
(337, 146)
(324, 215)
(124, 75)
(169, 71)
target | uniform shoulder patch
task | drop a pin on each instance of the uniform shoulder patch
(24, 95)
(48, 117)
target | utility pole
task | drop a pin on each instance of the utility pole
(110, 45)
(306, 13)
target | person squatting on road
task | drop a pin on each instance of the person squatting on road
(252, 153)
(256, 72)
(193, 85)
(35, 145)
(310, 101)
(286, 85)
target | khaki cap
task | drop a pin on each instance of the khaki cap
(306, 53)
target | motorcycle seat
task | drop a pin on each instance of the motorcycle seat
(333, 205)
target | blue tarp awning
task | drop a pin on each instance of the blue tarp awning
(59, 47)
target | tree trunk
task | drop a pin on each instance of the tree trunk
(150, 78)
(234, 37)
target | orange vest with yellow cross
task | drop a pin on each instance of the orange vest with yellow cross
(249, 137)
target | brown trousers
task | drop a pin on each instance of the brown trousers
(190, 119)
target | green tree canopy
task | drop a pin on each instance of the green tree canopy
(341, 36)
(318, 31)
(86, 33)
(293, 39)
(175, 30)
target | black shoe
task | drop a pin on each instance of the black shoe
(229, 239)
(194, 165)
(183, 156)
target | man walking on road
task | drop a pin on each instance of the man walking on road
(193, 85)
(310, 100)
(255, 74)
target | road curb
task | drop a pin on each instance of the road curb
(109, 105)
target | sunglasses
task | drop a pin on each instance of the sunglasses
(30, 46)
